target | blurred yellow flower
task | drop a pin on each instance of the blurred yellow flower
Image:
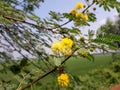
(79, 5)
(56, 47)
(83, 52)
(63, 80)
(66, 51)
(85, 17)
(79, 15)
(64, 47)
(91, 49)
(73, 11)
(67, 42)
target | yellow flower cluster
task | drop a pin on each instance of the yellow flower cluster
(63, 80)
(64, 46)
(77, 14)
(91, 49)
(79, 5)
(83, 52)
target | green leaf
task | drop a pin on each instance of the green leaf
(106, 42)
(92, 17)
(90, 57)
(15, 69)
(76, 31)
(118, 9)
(23, 62)
(5, 21)
(69, 16)
(34, 17)
(112, 37)
(55, 16)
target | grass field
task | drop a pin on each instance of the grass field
(79, 66)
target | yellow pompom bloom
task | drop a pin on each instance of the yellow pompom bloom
(91, 49)
(66, 42)
(66, 51)
(63, 47)
(85, 17)
(83, 52)
(56, 47)
(73, 11)
(79, 15)
(63, 80)
(79, 5)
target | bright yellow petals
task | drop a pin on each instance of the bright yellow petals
(63, 80)
(67, 42)
(82, 16)
(56, 47)
(79, 14)
(85, 17)
(66, 51)
(73, 11)
(63, 47)
(79, 5)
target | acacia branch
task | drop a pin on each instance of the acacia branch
(40, 77)
(88, 6)
(23, 21)
(43, 27)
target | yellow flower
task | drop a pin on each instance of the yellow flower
(91, 49)
(63, 80)
(85, 17)
(56, 47)
(63, 47)
(66, 42)
(66, 51)
(73, 11)
(83, 52)
(79, 5)
(79, 14)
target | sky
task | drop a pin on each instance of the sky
(65, 7)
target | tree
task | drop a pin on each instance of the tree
(23, 32)
(111, 28)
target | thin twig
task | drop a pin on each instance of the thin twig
(88, 7)
(29, 85)
(23, 21)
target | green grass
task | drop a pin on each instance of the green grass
(79, 66)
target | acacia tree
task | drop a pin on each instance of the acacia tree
(23, 32)
(111, 27)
